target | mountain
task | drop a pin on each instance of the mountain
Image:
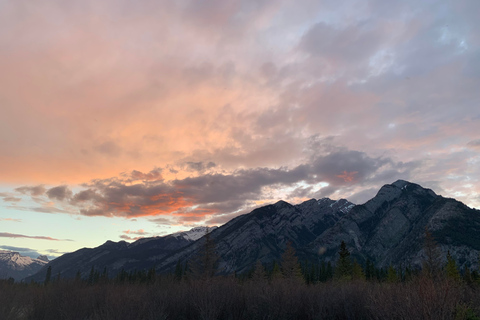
(263, 233)
(388, 229)
(16, 266)
(115, 256)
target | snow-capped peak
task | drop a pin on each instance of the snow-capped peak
(194, 233)
(16, 261)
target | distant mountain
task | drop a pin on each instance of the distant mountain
(115, 256)
(388, 229)
(14, 265)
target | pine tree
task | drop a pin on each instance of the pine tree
(259, 274)
(275, 273)
(78, 276)
(392, 275)
(91, 276)
(204, 265)
(178, 271)
(329, 271)
(290, 267)
(467, 276)
(48, 276)
(451, 270)
(151, 275)
(357, 271)
(343, 268)
(433, 260)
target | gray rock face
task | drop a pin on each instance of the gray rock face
(263, 233)
(390, 228)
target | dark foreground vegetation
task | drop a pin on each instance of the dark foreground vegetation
(230, 298)
(285, 290)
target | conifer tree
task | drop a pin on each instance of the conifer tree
(78, 276)
(329, 271)
(91, 276)
(432, 262)
(276, 273)
(392, 275)
(290, 267)
(467, 276)
(151, 275)
(259, 274)
(357, 271)
(204, 264)
(451, 270)
(178, 271)
(343, 268)
(48, 276)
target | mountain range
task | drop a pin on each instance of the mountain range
(13, 265)
(388, 230)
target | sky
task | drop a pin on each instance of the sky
(126, 119)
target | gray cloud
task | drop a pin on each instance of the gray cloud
(32, 253)
(474, 144)
(199, 166)
(33, 191)
(192, 199)
(59, 193)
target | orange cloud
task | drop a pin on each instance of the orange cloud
(347, 176)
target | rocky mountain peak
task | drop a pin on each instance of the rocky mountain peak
(43, 258)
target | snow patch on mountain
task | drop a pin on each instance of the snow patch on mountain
(194, 234)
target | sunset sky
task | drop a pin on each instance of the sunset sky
(122, 119)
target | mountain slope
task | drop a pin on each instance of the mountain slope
(115, 256)
(263, 233)
(390, 228)
(14, 265)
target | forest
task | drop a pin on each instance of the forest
(286, 290)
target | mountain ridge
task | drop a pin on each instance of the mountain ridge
(387, 229)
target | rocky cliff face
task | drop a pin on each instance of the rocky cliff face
(388, 229)
(263, 233)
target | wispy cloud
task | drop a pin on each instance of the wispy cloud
(11, 219)
(14, 235)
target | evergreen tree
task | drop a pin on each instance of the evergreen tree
(369, 270)
(276, 273)
(48, 276)
(104, 275)
(178, 271)
(91, 276)
(259, 274)
(322, 272)
(78, 276)
(343, 268)
(357, 271)
(467, 276)
(432, 262)
(451, 270)
(290, 266)
(151, 275)
(204, 265)
(392, 275)
(329, 271)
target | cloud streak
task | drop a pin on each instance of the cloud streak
(15, 235)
